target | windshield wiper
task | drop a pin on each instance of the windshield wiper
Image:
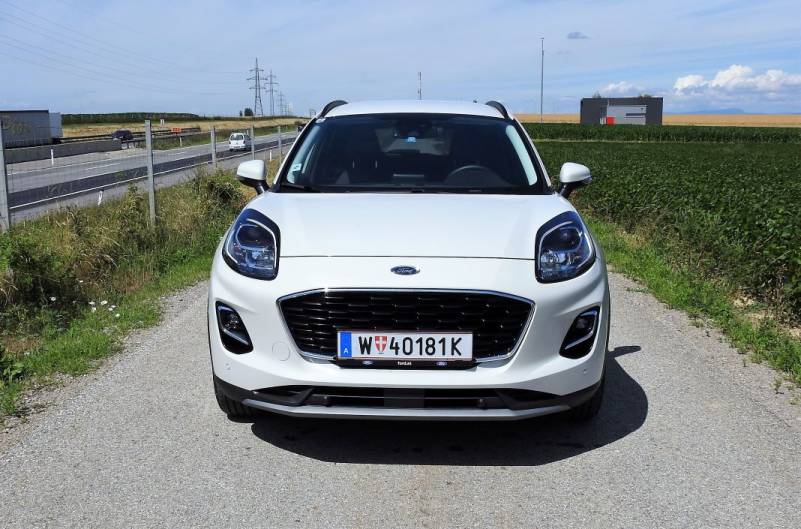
(299, 187)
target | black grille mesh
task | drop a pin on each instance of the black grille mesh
(496, 321)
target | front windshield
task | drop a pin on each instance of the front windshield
(412, 152)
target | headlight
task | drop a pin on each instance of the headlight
(251, 247)
(564, 249)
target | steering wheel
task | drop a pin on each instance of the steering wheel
(465, 169)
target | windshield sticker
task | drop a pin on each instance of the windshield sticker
(296, 167)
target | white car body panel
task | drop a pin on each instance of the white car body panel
(379, 224)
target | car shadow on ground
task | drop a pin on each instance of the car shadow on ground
(530, 442)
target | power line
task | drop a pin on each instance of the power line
(72, 42)
(89, 43)
(258, 110)
(97, 75)
(135, 31)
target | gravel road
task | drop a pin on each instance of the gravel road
(689, 436)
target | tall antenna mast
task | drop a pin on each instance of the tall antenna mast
(419, 85)
(542, 72)
(256, 78)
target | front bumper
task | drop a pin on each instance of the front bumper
(535, 365)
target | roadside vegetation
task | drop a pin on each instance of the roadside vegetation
(233, 123)
(203, 138)
(709, 120)
(711, 229)
(657, 133)
(74, 282)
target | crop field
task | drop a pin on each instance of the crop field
(712, 120)
(725, 220)
(657, 133)
(90, 129)
(730, 211)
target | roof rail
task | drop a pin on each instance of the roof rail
(499, 107)
(330, 106)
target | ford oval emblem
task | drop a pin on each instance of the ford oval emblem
(405, 270)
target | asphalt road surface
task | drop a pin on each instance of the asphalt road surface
(32, 182)
(688, 436)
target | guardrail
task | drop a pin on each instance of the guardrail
(39, 187)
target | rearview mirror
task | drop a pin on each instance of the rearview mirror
(253, 173)
(572, 176)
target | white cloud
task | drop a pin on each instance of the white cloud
(737, 79)
(623, 88)
(576, 35)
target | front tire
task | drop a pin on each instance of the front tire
(232, 408)
(586, 411)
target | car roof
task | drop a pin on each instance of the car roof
(415, 106)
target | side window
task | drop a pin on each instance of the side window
(522, 153)
(300, 163)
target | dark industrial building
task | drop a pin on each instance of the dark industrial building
(621, 111)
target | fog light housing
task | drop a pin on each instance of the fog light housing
(233, 333)
(581, 335)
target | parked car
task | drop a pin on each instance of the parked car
(411, 261)
(122, 135)
(239, 141)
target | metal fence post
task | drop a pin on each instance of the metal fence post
(151, 184)
(252, 142)
(280, 145)
(213, 147)
(5, 214)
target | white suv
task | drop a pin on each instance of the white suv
(239, 141)
(411, 261)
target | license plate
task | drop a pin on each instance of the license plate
(405, 348)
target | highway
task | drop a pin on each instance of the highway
(32, 183)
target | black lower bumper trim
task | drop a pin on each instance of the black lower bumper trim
(408, 398)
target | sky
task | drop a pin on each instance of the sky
(180, 56)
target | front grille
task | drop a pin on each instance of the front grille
(496, 321)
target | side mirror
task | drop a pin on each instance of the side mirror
(572, 176)
(253, 173)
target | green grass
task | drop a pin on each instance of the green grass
(681, 288)
(73, 283)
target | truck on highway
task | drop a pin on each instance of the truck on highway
(29, 128)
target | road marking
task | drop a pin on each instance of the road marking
(57, 167)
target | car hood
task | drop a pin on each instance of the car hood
(408, 224)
